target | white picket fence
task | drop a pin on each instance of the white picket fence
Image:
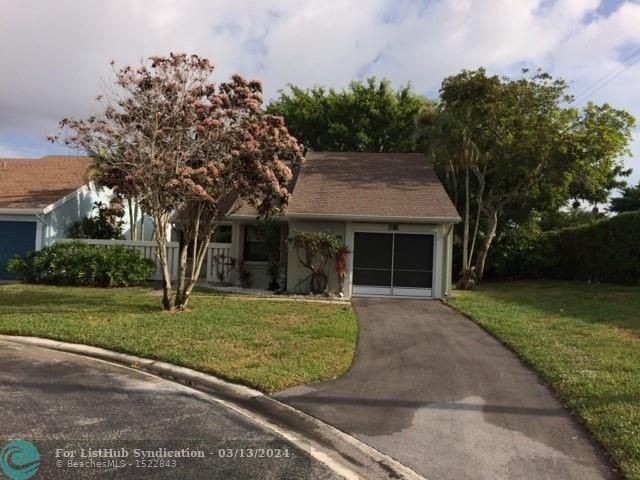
(148, 249)
(220, 265)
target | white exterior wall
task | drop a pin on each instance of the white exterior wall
(144, 224)
(75, 206)
(58, 217)
(448, 260)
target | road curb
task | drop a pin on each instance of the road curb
(345, 454)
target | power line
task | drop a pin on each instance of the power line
(612, 71)
(607, 78)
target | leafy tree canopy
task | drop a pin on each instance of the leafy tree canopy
(628, 202)
(369, 116)
(511, 146)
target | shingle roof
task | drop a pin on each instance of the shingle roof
(389, 185)
(37, 183)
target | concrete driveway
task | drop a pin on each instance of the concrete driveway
(81, 414)
(433, 390)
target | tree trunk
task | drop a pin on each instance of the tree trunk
(454, 184)
(133, 228)
(486, 243)
(465, 239)
(479, 205)
(182, 269)
(161, 242)
(195, 234)
(183, 299)
(318, 282)
(139, 215)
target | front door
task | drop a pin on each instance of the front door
(393, 263)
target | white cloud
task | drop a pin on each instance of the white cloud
(634, 162)
(55, 53)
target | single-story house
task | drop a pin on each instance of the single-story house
(390, 209)
(39, 200)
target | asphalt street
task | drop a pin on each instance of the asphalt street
(90, 419)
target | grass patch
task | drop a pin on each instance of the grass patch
(584, 340)
(269, 345)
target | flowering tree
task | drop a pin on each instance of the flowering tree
(187, 150)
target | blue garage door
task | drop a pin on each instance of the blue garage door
(15, 238)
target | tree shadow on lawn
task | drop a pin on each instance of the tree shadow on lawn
(77, 300)
(607, 304)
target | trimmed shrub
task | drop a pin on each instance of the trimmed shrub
(77, 263)
(603, 251)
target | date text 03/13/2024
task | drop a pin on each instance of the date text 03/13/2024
(137, 453)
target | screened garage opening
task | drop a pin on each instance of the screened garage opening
(393, 264)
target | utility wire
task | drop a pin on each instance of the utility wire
(607, 78)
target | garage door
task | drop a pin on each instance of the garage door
(399, 264)
(15, 238)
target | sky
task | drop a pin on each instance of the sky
(55, 55)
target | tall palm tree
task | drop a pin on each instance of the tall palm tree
(449, 142)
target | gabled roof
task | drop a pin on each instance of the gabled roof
(37, 183)
(388, 186)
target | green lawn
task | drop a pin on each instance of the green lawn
(584, 340)
(269, 345)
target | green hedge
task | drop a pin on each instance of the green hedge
(76, 263)
(604, 251)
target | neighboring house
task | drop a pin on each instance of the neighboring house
(40, 199)
(389, 209)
